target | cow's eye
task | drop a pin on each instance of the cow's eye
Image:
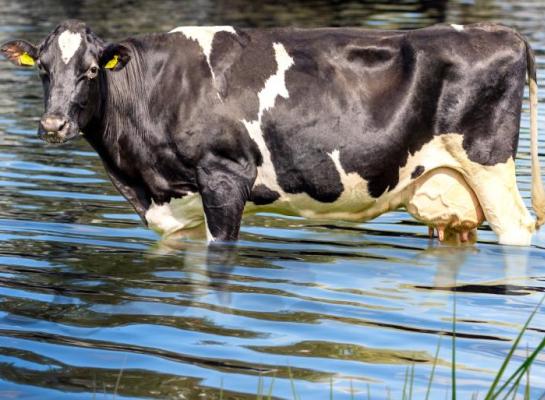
(93, 71)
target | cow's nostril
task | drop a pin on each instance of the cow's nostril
(53, 124)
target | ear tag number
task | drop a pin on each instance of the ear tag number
(25, 59)
(112, 63)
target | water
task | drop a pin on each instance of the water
(93, 305)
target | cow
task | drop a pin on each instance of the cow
(201, 124)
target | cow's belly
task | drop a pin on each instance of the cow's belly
(440, 198)
(354, 204)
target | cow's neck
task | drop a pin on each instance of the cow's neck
(134, 142)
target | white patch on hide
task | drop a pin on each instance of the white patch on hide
(209, 236)
(184, 213)
(204, 36)
(459, 28)
(274, 86)
(69, 43)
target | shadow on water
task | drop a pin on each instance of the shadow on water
(93, 304)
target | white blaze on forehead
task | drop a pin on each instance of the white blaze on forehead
(274, 86)
(459, 28)
(204, 35)
(69, 43)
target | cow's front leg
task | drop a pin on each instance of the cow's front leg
(135, 195)
(225, 187)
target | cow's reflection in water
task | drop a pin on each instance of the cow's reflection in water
(452, 261)
(209, 266)
(201, 261)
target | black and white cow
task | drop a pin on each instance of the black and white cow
(202, 124)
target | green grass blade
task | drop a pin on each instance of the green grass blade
(521, 369)
(119, 377)
(405, 384)
(516, 389)
(411, 383)
(118, 381)
(221, 388)
(432, 373)
(368, 392)
(269, 395)
(260, 387)
(511, 351)
(351, 389)
(515, 386)
(527, 388)
(331, 388)
(292, 382)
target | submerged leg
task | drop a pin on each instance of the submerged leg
(496, 188)
(225, 187)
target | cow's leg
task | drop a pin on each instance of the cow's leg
(496, 189)
(225, 187)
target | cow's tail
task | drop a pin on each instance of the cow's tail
(538, 193)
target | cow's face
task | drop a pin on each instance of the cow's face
(71, 61)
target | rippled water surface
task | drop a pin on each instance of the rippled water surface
(94, 305)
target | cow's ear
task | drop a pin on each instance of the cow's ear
(114, 57)
(20, 52)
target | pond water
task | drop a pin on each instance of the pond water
(94, 305)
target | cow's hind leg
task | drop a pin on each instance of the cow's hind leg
(499, 197)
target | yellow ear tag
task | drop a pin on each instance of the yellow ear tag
(25, 59)
(112, 63)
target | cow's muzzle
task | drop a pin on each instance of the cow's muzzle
(55, 129)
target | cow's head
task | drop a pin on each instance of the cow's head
(71, 61)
